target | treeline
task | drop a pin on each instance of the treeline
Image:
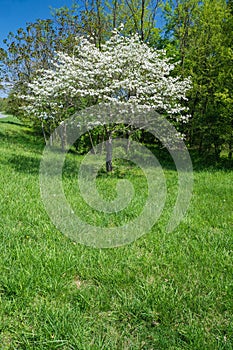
(196, 34)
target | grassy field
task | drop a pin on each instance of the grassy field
(163, 291)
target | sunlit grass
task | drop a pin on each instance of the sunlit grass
(163, 291)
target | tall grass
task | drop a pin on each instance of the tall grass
(163, 291)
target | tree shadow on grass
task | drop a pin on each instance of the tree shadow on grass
(199, 162)
(124, 169)
(31, 165)
(208, 162)
(11, 121)
(24, 164)
(26, 139)
(21, 136)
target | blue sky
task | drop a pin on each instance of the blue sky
(16, 13)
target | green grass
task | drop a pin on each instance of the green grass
(163, 291)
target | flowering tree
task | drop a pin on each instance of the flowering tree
(124, 70)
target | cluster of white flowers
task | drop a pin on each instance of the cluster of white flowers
(124, 70)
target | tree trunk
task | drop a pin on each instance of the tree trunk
(63, 136)
(51, 140)
(93, 151)
(114, 14)
(142, 19)
(99, 23)
(128, 143)
(44, 134)
(50, 137)
(109, 152)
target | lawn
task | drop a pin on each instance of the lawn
(163, 291)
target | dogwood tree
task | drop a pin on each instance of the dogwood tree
(124, 70)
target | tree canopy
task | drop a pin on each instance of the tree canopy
(196, 36)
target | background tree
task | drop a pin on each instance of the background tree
(197, 34)
(123, 70)
(32, 48)
(200, 32)
(27, 51)
(138, 16)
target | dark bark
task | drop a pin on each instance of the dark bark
(50, 140)
(99, 23)
(114, 13)
(92, 143)
(142, 19)
(50, 137)
(43, 131)
(63, 137)
(109, 153)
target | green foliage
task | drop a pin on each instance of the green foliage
(32, 48)
(197, 34)
(200, 32)
(3, 104)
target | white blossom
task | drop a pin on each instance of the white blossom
(124, 70)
